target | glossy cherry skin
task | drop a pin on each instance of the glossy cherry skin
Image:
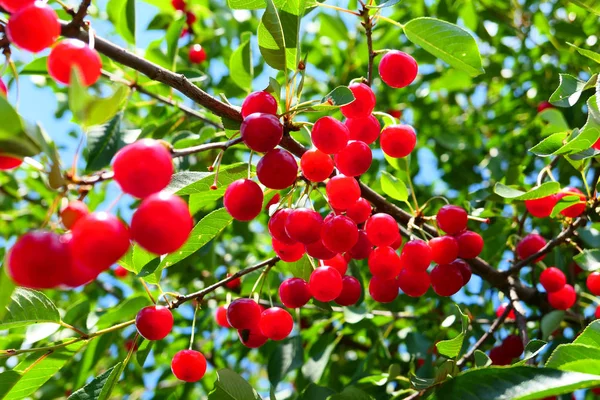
(365, 129)
(363, 247)
(552, 279)
(243, 313)
(221, 317)
(294, 292)
(398, 141)
(416, 254)
(304, 225)
(318, 250)
(288, 252)
(73, 212)
(316, 166)
(261, 132)
(197, 54)
(384, 263)
(72, 53)
(277, 226)
(513, 346)
(502, 308)
(342, 191)
(593, 283)
(277, 169)
(259, 102)
(274, 200)
(499, 357)
(154, 322)
(597, 313)
(464, 268)
(77, 273)
(179, 5)
(15, 5)
(412, 282)
(363, 104)
(3, 89)
(243, 199)
(339, 233)
(351, 291)
(120, 272)
(530, 245)
(276, 323)
(34, 27)
(354, 159)
(329, 135)
(190, 18)
(233, 284)
(383, 290)
(452, 219)
(252, 338)
(541, 208)
(338, 262)
(563, 299)
(544, 105)
(470, 244)
(398, 69)
(143, 168)
(446, 279)
(162, 223)
(325, 283)
(39, 260)
(575, 210)
(360, 211)
(382, 229)
(396, 243)
(99, 240)
(188, 365)
(444, 249)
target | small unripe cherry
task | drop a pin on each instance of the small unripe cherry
(34, 27)
(13, 6)
(398, 141)
(318, 250)
(530, 245)
(383, 290)
(382, 229)
(365, 129)
(73, 212)
(243, 199)
(363, 104)
(338, 262)
(398, 69)
(563, 299)
(444, 249)
(261, 132)
(339, 233)
(188, 365)
(294, 292)
(464, 268)
(316, 166)
(221, 317)
(513, 346)
(552, 279)
(259, 102)
(452, 219)
(325, 283)
(416, 254)
(593, 283)
(304, 225)
(360, 211)
(121, 272)
(197, 54)
(277, 225)
(351, 291)
(243, 313)
(354, 159)
(154, 322)
(72, 53)
(575, 210)
(276, 323)
(288, 252)
(446, 279)
(413, 282)
(342, 191)
(384, 262)
(363, 247)
(277, 169)
(252, 338)
(470, 244)
(8, 162)
(329, 135)
(541, 208)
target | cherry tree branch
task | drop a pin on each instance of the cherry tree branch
(368, 25)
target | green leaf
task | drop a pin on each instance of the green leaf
(286, 357)
(89, 110)
(316, 392)
(393, 187)
(554, 121)
(122, 14)
(192, 182)
(570, 89)
(580, 140)
(39, 66)
(385, 4)
(549, 145)
(564, 203)
(590, 5)
(451, 348)
(231, 386)
(590, 335)
(29, 307)
(544, 190)
(550, 322)
(314, 367)
(533, 348)
(299, 269)
(592, 55)
(172, 37)
(271, 38)
(7, 287)
(143, 351)
(14, 139)
(447, 41)
(99, 388)
(246, 4)
(351, 393)
(103, 143)
(241, 69)
(8, 379)
(575, 358)
(339, 96)
(481, 359)
(588, 260)
(127, 309)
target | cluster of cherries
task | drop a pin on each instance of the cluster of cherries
(197, 54)
(511, 348)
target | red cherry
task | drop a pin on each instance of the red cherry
(464, 268)
(234, 283)
(452, 219)
(154, 322)
(277, 226)
(360, 211)
(99, 240)
(511, 314)
(243, 199)
(188, 365)
(319, 251)
(354, 159)
(575, 210)
(499, 356)
(261, 132)
(190, 18)
(162, 223)
(121, 272)
(338, 262)
(3, 89)
(329, 135)
(513, 346)
(446, 279)
(342, 191)
(363, 247)
(7, 162)
(596, 145)
(276, 323)
(444, 249)
(73, 212)
(363, 104)
(76, 274)
(530, 245)
(294, 293)
(253, 337)
(398, 141)
(288, 252)
(316, 166)
(221, 317)
(274, 200)
(197, 54)
(243, 313)
(553, 279)
(143, 168)
(131, 345)
(398, 69)
(259, 102)
(541, 208)
(15, 5)
(382, 229)
(39, 260)
(470, 244)
(563, 299)
(597, 313)
(365, 129)
(351, 291)
(383, 290)
(384, 263)
(396, 243)
(395, 113)
(34, 27)
(593, 283)
(304, 225)
(414, 283)
(416, 254)
(179, 5)
(339, 233)
(325, 283)
(70, 54)
(544, 105)
(277, 169)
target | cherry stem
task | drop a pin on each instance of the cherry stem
(217, 167)
(484, 220)
(71, 327)
(115, 202)
(340, 9)
(391, 21)
(250, 164)
(194, 325)
(148, 291)
(412, 189)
